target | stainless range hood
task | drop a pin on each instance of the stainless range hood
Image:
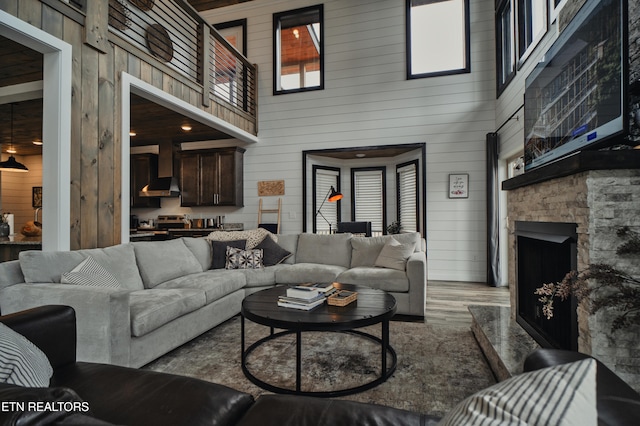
(165, 185)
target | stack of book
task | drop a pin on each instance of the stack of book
(305, 296)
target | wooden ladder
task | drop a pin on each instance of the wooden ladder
(270, 226)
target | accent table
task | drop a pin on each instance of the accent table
(371, 307)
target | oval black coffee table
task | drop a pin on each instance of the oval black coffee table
(371, 307)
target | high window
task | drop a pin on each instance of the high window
(437, 37)
(532, 25)
(407, 195)
(326, 214)
(505, 47)
(298, 50)
(368, 186)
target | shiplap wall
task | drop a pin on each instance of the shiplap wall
(368, 101)
(16, 190)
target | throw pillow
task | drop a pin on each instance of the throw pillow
(90, 273)
(273, 253)
(253, 236)
(21, 362)
(560, 395)
(219, 249)
(394, 255)
(243, 259)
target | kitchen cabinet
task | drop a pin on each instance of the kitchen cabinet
(212, 177)
(144, 168)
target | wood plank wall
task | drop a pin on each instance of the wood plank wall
(96, 148)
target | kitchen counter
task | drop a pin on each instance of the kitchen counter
(11, 246)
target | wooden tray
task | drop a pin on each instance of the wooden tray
(342, 298)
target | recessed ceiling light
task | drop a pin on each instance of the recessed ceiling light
(186, 127)
(37, 142)
(132, 133)
(11, 150)
(361, 155)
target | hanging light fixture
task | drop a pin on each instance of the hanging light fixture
(11, 165)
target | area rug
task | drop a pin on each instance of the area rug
(437, 367)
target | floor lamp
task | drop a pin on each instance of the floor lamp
(332, 196)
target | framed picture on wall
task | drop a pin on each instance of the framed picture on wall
(459, 185)
(36, 196)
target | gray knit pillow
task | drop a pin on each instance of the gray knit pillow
(21, 362)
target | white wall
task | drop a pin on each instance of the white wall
(16, 190)
(368, 101)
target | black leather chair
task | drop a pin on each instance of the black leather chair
(355, 228)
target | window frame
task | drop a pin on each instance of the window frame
(467, 48)
(503, 81)
(276, 49)
(354, 195)
(314, 194)
(523, 54)
(416, 166)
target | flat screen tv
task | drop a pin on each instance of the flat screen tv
(575, 98)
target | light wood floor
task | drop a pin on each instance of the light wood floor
(447, 301)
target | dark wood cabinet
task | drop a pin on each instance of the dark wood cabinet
(144, 168)
(212, 177)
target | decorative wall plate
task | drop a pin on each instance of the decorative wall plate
(159, 42)
(144, 5)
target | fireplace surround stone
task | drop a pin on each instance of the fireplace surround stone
(599, 201)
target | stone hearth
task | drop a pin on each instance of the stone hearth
(599, 201)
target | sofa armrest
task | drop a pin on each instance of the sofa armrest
(103, 324)
(51, 328)
(417, 276)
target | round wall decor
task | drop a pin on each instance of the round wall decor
(159, 42)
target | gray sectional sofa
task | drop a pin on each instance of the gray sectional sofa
(166, 294)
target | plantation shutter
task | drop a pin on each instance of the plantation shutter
(325, 179)
(407, 197)
(369, 203)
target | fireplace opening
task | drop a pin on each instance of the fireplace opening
(545, 252)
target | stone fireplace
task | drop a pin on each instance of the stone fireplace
(596, 193)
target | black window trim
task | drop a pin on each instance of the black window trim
(315, 207)
(276, 21)
(416, 163)
(465, 70)
(354, 170)
(500, 87)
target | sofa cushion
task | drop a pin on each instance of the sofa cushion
(201, 249)
(215, 286)
(308, 272)
(161, 261)
(380, 278)
(90, 273)
(243, 259)
(289, 242)
(324, 249)
(273, 253)
(262, 277)
(21, 362)
(564, 394)
(367, 249)
(151, 309)
(394, 255)
(48, 266)
(220, 251)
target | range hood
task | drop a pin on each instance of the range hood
(165, 185)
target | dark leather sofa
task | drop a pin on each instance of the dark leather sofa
(127, 396)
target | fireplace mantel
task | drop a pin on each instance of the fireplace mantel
(579, 162)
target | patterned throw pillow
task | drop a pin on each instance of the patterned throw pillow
(21, 362)
(90, 273)
(560, 395)
(244, 259)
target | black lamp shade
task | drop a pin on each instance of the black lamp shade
(334, 195)
(11, 165)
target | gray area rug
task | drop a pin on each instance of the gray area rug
(437, 366)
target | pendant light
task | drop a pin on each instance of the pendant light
(11, 165)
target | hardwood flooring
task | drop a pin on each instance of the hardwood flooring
(447, 301)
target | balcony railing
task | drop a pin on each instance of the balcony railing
(173, 32)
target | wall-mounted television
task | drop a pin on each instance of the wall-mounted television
(575, 98)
